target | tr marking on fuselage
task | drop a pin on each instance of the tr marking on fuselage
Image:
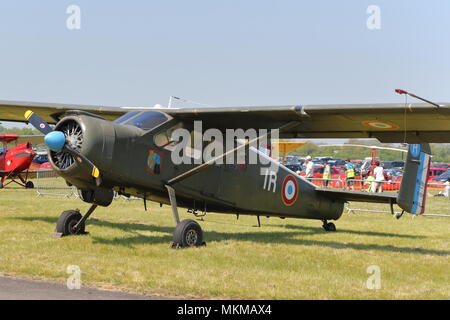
(270, 180)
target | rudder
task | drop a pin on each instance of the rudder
(413, 189)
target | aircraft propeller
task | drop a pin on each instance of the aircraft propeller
(56, 141)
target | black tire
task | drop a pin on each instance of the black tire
(188, 233)
(67, 220)
(1, 184)
(329, 227)
(29, 185)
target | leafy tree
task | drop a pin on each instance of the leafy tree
(19, 131)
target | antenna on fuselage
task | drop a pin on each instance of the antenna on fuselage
(186, 103)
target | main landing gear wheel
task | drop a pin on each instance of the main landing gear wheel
(67, 221)
(1, 184)
(29, 185)
(329, 226)
(188, 233)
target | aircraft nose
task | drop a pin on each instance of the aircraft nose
(55, 140)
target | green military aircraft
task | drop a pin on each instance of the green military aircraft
(102, 150)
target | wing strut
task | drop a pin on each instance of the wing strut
(211, 162)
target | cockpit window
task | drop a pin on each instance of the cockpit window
(126, 116)
(147, 120)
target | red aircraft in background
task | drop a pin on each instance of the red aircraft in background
(15, 162)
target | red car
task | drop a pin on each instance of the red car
(433, 173)
(338, 177)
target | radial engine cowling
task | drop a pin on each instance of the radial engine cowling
(92, 137)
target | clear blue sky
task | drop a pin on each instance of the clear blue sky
(223, 52)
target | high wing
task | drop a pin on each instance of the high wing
(412, 123)
(52, 112)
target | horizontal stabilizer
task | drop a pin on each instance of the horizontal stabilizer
(359, 196)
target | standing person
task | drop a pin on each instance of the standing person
(447, 188)
(326, 174)
(309, 167)
(349, 174)
(378, 173)
(369, 181)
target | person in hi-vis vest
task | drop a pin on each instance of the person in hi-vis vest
(349, 174)
(326, 174)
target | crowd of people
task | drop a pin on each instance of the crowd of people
(374, 179)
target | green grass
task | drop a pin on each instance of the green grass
(128, 249)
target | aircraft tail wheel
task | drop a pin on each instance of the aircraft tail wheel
(188, 233)
(329, 226)
(66, 222)
(29, 185)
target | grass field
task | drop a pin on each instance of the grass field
(128, 249)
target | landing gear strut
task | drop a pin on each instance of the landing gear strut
(71, 222)
(329, 226)
(17, 179)
(188, 233)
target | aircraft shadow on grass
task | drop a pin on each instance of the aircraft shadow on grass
(260, 237)
(356, 232)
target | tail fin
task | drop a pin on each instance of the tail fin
(413, 189)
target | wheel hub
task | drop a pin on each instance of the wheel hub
(191, 237)
(72, 225)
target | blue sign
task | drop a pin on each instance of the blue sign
(415, 150)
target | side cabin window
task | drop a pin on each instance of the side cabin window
(164, 140)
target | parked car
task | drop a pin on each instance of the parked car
(446, 166)
(337, 163)
(338, 177)
(436, 177)
(435, 172)
(294, 166)
(393, 164)
(439, 181)
(442, 177)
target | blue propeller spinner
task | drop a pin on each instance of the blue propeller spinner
(55, 140)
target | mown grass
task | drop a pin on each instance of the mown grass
(128, 249)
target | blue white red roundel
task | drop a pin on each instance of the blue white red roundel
(289, 190)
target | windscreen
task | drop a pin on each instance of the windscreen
(126, 116)
(147, 120)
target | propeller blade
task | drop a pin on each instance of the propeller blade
(95, 172)
(37, 122)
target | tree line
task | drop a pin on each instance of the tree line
(440, 151)
(20, 131)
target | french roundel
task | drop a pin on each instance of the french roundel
(289, 190)
(380, 125)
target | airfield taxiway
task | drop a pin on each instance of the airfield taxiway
(20, 289)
